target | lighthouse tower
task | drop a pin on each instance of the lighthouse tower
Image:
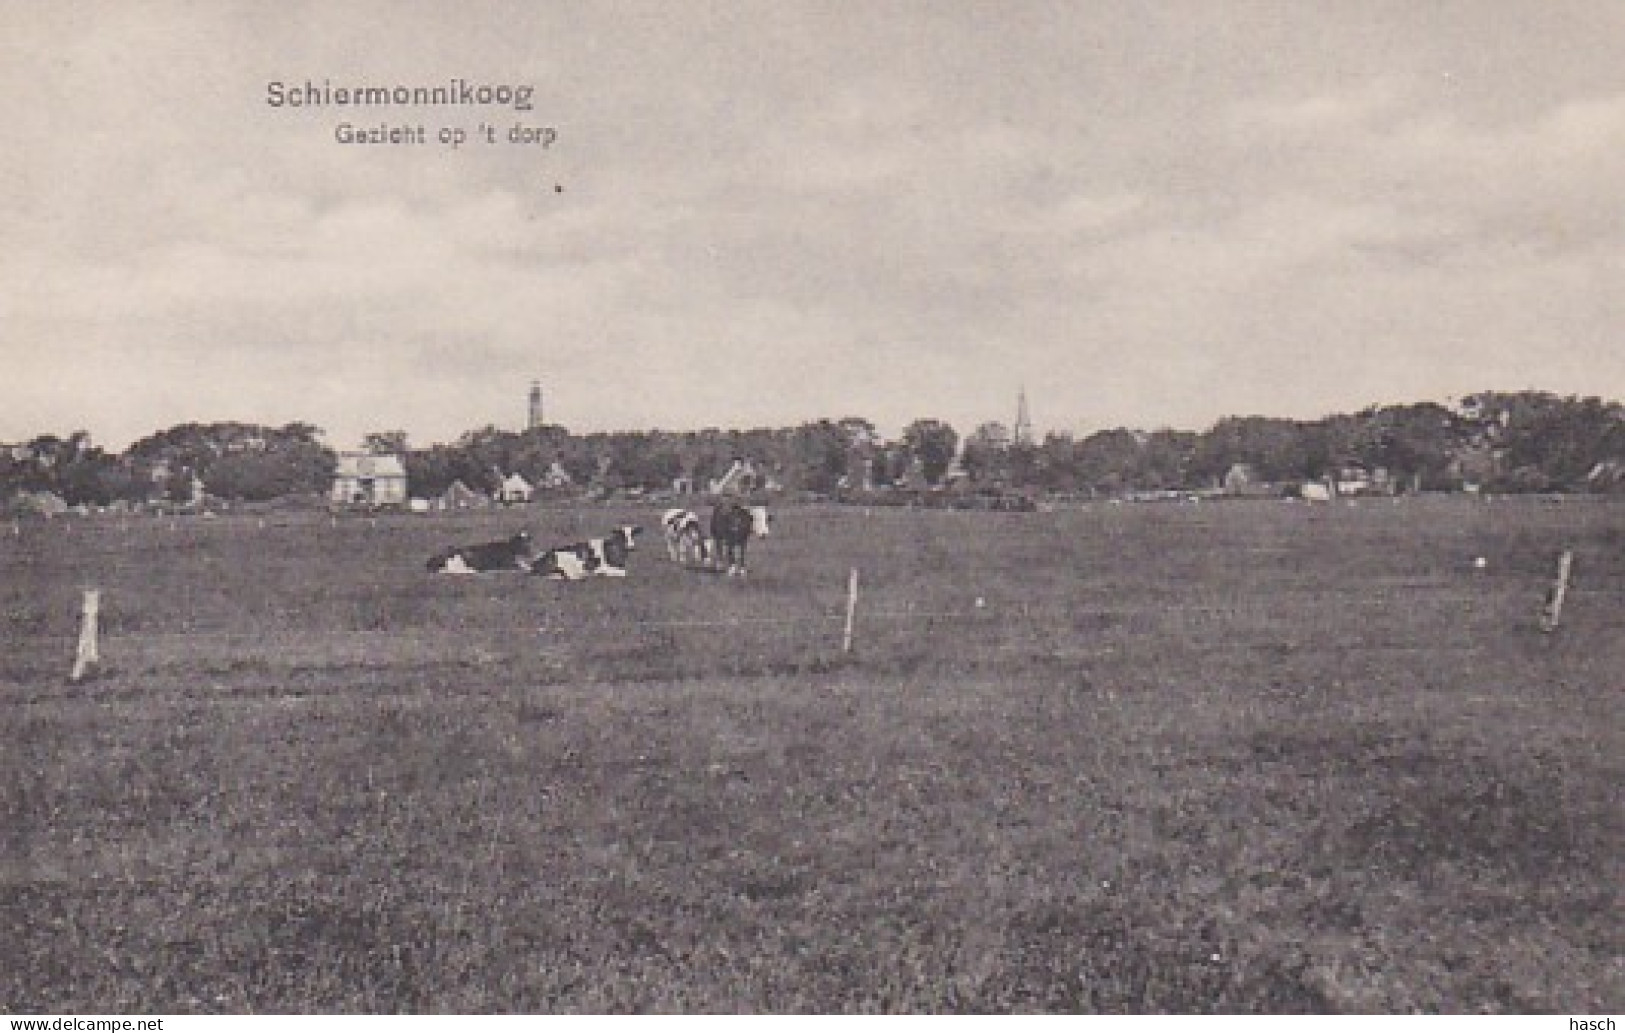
(535, 417)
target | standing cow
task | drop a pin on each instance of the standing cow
(685, 536)
(732, 527)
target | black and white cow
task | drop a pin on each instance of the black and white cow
(732, 526)
(512, 554)
(600, 557)
(685, 536)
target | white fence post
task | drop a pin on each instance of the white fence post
(1554, 599)
(851, 610)
(87, 654)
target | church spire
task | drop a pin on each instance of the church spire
(1022, 433)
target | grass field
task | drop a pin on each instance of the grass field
(1246, 757)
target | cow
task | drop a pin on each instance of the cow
(511, 554)
(685, 536)
(601, 557)
(566, 563)
(732, 526)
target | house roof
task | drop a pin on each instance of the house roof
(363, 464)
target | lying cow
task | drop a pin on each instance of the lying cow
(685, 536)
(512, 554)
(732, 526)
(603, 557)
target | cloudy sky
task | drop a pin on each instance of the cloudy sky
(759, 213)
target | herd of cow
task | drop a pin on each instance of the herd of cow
(732, 527)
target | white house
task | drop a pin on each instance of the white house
(515, 489)
(556, 477)
(363, 479)
(740, 479)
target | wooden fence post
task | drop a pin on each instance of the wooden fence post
(851, 610)
(87, 654)
(1553, 612)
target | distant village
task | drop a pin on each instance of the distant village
(1491, 442)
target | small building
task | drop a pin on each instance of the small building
(1239, 479)
(860, 471)
(1317, 491)
(913, 478)
(740, 479)
(557, 477)
(1353, 479)
(39, 503)
(461, 496)
(1607, 476)
(363, 479)
(515, 488)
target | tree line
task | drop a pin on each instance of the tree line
(1526, 441)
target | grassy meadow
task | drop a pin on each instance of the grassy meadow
(1234, 757)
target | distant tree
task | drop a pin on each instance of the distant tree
(304, 433)
(638, 460)
(1521, 479)
(429, 471)
(987, 454)
(47, 450)
(1165, 459)
(859, 432)
(934, 443)
(38, 472)
(1562, 438)
(385, 442)
(662, 469)
(55, 453)
(535, 450)
(1058, 463)
(485, 456)
(817, 456)
(93, 478)
(280, 469)
(1414, 443)
(1109, 460)
(892, 463)
(249, 476)
(259, 461)
(13, 470)
(1280, 450)
(177, 485)
(122, 482)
